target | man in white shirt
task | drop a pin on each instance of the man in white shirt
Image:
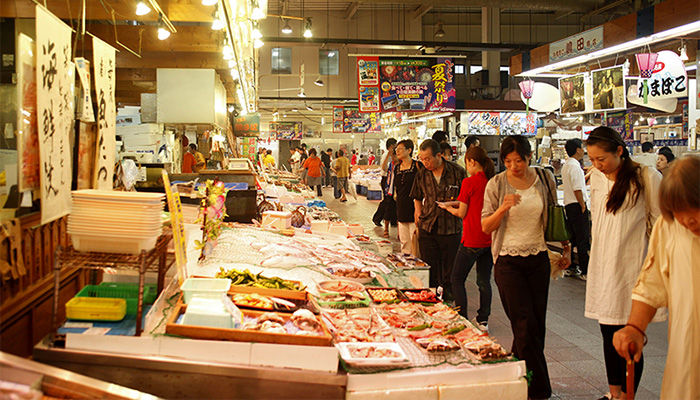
(575, 199)
(648, 157)
(294, 160)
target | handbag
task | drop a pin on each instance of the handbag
(415, 243)
(557, 229)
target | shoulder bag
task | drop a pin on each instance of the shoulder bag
(557, 230)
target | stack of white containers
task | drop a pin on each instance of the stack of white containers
(115, 222)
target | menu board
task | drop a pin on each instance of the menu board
(287, 130)
(413, 84)
(247, 147)
(351, 120)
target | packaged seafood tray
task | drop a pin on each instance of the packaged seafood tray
(385, 295)
(436, 339)
(372, 354)
(406, 261)
(342, 300)
(268, 302)
(340, 286)
(355, 274)
(299, 328)
(357, 325)
(420, 295)
(485, 349)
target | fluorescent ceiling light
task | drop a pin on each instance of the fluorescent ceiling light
(655, 38)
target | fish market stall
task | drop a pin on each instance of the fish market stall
(298, 315)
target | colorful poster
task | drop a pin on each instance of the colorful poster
(355, 121)
(622, 122)
(54, 77)
(369, 99)
(576, 45)
(104, 55)
(368, 71)
(669, 78)
(484, 123)
(27, 135)
(337, 113)
(416, 84)
(247, 147)
(572, 94)
(287, 130)
(247, 125)
(518, 123)
(609, 89)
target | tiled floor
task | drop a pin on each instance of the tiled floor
(573, 343)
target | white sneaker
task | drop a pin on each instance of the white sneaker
(483, 326)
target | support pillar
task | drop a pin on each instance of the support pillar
(491, 33)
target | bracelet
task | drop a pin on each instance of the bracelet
(646, 340)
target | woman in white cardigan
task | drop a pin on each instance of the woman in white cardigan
(624, 202)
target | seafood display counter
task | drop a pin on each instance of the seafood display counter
(299, 315)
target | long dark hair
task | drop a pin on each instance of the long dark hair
(628, 174)
(479, 155)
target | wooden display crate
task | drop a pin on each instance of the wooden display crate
(240, 335)
(281, 293)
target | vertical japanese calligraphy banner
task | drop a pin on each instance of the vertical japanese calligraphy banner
(55, 113)
(104, 73)
(27, 137)
(85, 114)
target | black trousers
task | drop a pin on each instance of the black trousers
(616, 366)
(523, 283)
(439, 251)
(580, 227)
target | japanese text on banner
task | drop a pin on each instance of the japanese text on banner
(106, 113)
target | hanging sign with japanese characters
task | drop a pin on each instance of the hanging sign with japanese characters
(351, 120)
(103, 64)
(669, 78)
(576, 45)
(85, 112)
(27, 135)
(55, 113)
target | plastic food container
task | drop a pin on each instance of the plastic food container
(112, 244)
(128, 293)
(347, 352)
(203, 311)
(319, 226)
(204, 287)
(96, 309)
(384, 247)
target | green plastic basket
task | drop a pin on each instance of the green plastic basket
(149, 296)
(129, 293)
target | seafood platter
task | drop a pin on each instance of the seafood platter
(406, 261)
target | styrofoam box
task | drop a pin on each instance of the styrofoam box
(277, 219)
(206, 287)
(204, 311)
(319, 226)
(104, 244)
(143, 128)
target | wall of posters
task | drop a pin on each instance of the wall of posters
(413, 84)
(104, 55)
(572, 94)
(609, 89)
(54, 74)
(669, 78)
(287, 130)
(352, 120)
(27, 135)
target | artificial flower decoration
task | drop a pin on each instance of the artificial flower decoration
(212, 212)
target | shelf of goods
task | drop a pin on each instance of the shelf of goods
(305, 304)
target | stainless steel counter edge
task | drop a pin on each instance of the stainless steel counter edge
(44, 353)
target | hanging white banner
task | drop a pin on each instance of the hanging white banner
(104, 73)
(55, 113)
(86, 113)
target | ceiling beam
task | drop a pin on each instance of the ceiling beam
(421, 11)
(187, 38)
(351, 11)
(414, 45)
(211, 60)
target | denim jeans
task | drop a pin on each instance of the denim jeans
(464, 261)
(336, 191)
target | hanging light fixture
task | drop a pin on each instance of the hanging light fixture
(308, 107)
(301, 93)
(142, 8)
(440, 32)
(257, 43)
(318, 81)
(228, 52)
(257, 13)
(163, 33)
(209, 2)
(683, 52)
(217, 23)
(286, 29)
(231, 63)
(294, 110)
(256, 34)
(307, 30)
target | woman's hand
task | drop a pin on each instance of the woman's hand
(629, 343)
(509, 201)
(565, 259)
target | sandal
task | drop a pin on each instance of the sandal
(386, 234)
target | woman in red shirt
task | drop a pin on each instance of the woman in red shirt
(314, 172)
(476, 245)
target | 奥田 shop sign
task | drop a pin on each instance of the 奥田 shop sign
(405, 84)
(576, 45)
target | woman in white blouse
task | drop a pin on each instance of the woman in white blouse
(515, 214)
(624, 202)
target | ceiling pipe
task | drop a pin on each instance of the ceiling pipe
(558, 5)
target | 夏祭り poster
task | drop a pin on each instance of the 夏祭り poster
(608, 89)
(572, 94)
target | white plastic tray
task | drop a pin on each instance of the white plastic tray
(344, 349)
(128, 245)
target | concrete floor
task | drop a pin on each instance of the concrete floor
(573, 343)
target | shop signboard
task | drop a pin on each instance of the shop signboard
(609, 89)
(28, 136)
(484, 123)
(576, 45)
(518, 123)
(572, 94)
(622, 122)
(669, 78)
(247, 147)
(287, 130)
(352, 120)
(413, 84)
(247, 125)
(55, 116)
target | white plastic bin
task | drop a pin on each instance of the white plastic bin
(205, 287)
